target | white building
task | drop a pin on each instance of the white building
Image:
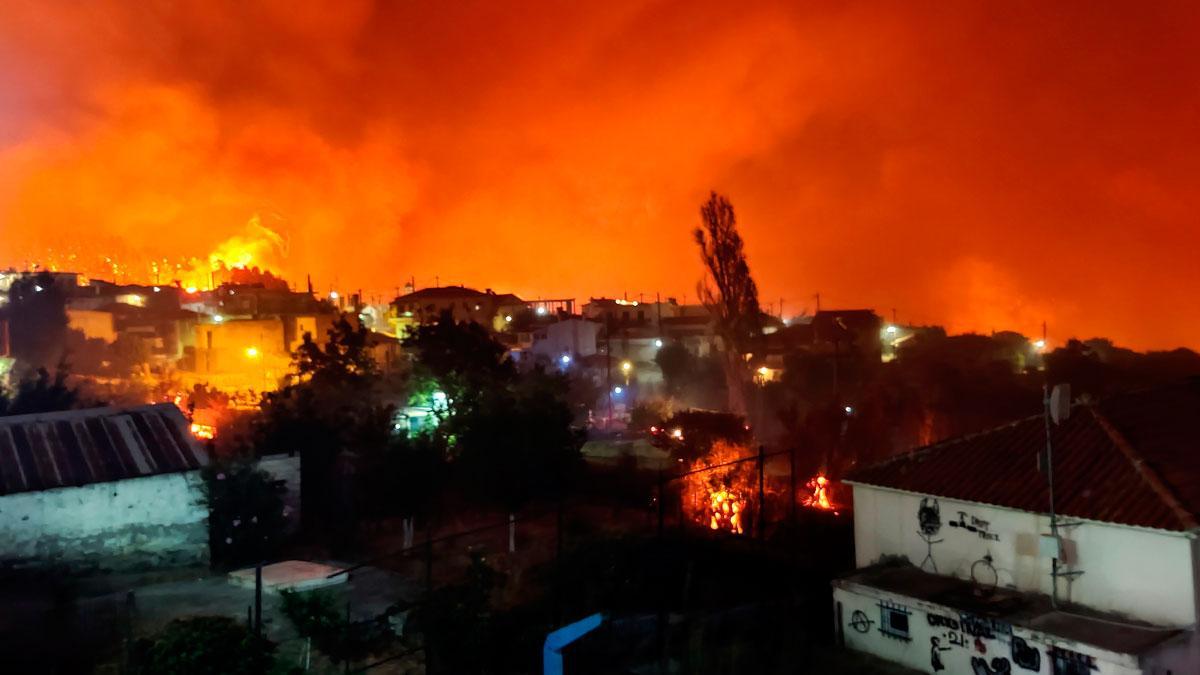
(955, 555)
(102, 488)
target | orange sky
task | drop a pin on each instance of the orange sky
(971, 166)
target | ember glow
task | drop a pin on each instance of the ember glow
(998, 165)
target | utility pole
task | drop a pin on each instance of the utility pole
(818, 297)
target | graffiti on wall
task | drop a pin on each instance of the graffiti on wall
(969, 523)
(893, 620)
(935, 654)
(983, 627)
(1026, 656)
(929, 524)
(1067, 662)
(998, 666)
(860, 622)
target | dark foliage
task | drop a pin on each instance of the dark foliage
(245, 513)
(331, 406)
(203, 645)
(42, 394)
(700, 429)
(458, 622)
(317, 615)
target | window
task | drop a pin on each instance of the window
(893, 620)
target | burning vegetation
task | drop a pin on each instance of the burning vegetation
(718, 491)
(819, 494)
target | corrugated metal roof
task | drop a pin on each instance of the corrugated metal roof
(1132, 459)
(95, 445)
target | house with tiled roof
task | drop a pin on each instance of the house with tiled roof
(962, 568)
(102, 489)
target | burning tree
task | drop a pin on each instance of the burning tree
(719, 492)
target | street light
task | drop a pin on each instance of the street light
(892, 330)
(565, 359)
(626, 367)
(252, 352)
(658, 343)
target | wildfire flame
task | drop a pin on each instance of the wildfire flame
(719, 498)
(819, 498)
(726, 511)
(204, 432)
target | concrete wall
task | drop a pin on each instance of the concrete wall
(869, 620)
(140, 523)
(92, 323)
(1146, 574)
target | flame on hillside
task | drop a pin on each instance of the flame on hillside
(257, 248)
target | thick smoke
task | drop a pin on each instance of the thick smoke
(984, 168)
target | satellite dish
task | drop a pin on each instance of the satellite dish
(1060, 403)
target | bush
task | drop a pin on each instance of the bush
(203, 645)
(316, 615)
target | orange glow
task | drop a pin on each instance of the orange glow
(980, 166)
(204, 432)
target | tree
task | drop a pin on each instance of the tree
(37, 320)
(245, 512)
(676, 364)
(204, 645)
(734, 300)
(518, 443)
(330, 406)
(41, 394)
(461, 359)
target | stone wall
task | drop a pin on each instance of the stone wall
(135, 524)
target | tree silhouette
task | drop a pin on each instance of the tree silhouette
(734, 300)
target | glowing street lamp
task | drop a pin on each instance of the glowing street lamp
(252, 352)
(1039, 345)
(658, 343)
(617, 390)
(565, 359)
(892, 330)
(626, 367)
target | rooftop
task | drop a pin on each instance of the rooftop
(1130, 459)
(95, 445)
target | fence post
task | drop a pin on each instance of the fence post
(258, 589)
(792, 486)
(346, 633)
(662, 501)
(762, 502)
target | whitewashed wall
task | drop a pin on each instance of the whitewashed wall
(964, 644)
(1147, 574)
(137, 523)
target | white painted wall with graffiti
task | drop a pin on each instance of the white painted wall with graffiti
(1142, 573)
(940, 640)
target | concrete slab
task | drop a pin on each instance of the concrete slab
(290, 575)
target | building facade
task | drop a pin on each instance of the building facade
(101, 489)
(962, 571)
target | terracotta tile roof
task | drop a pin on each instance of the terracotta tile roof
(95, 445)
(1132, 459)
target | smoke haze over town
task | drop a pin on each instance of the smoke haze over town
(978, 167)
